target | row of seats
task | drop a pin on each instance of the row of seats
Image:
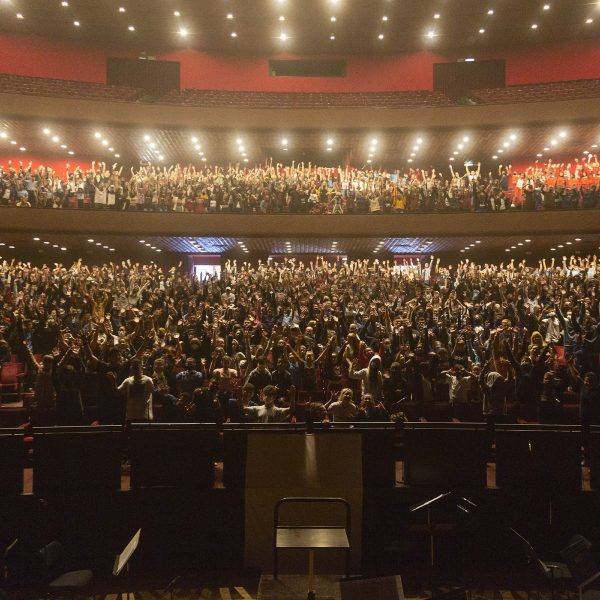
(41, 86)
(74, 460)
(540, 92)
(217, 98)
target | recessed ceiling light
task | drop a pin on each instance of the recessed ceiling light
(55, 138)
(105, 142)
(419, 140)
(283, 37)
(131, 28)
(183, 32)
(577, 239)
(229, 16)
(284, 141)
(384, 18)
(117, 156)
(546, 7)
(546, 149)
(539, 155)
(63, 248)
(3, 135)
(36, 239)
(436, 16)
(76, 23)
(534, 26)
(527, 241)
(121, 9)
(233, 34)
(329, 142)
(22, 148)
(588, 21)
(482, 30)
(332, 36)
(20, 16)
(491, 11)
(281, 18)
(176, 13)
(562, 134)
(430, 34)
(495, 157)
(333, 19)
(513, 137)
(409, 160)
(64, 3)
(63, 146)
(13, 142)
(71, 152)
(380, 36)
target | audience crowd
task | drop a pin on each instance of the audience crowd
(357, 340)
(303, 189)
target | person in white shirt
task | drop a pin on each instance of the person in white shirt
(460, 382)
(137, 390)
(268, 412)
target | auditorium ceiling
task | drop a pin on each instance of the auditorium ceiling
(104, 248)
(391, 148)
(324, 27)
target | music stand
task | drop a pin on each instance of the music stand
(122, 559)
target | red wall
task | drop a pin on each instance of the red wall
(58, 165)
(40, 57)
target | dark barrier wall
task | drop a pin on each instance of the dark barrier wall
(410, 225)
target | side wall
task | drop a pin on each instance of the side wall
(42, 57)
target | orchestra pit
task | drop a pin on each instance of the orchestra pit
(299, 299)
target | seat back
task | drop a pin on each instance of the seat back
(579, 559)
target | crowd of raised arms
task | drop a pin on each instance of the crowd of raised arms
(303, 188)
(346, 341)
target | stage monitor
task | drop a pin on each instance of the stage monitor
(537, 458)
(72, 460)
(445, 455)
(177, 455)
(11, 461)
(594, 457)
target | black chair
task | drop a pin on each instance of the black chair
(548, 571)
(584, 567)
(53, 560)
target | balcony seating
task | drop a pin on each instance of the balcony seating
(63, 88)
